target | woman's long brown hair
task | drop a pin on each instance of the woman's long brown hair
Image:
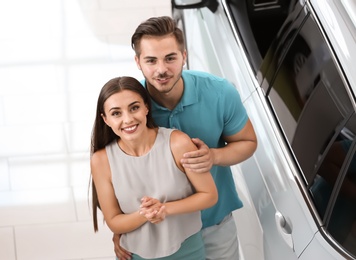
(102, 134)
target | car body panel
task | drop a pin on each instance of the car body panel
(320, 249)
(201, 59)
(275, 175)
(279, 220)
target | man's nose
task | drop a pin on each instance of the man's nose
(161, 67)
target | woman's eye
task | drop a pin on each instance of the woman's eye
(115, 113)
(134, 108)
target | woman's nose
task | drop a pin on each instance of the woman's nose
(127, 118)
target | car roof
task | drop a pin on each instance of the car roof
(338, 18)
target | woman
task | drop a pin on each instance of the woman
(144, 192)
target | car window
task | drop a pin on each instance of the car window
(249, 19)
(310, 99)
(338, 172)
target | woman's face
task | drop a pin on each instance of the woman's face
(126, 114)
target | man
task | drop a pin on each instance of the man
(205, 107)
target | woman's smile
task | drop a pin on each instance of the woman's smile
(130, 129)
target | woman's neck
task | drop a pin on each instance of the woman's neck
(140, 146)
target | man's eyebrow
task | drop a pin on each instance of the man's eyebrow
(154, 58)
(150, 58)
(171, 54)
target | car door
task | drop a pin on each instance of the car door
(203, 31)
(301, 106)
(214, 46)
(312, 103)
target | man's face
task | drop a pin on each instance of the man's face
(161, 62)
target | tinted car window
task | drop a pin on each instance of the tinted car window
(338, 172)
(309, 97)
(249, 18)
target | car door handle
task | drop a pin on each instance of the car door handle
(285, 229)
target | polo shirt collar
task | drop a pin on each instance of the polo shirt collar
(190, 95)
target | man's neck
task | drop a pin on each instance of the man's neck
(167, 100)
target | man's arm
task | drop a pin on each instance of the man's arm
(119, 251)
(239, 147)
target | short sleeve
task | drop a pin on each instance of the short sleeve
(235, 115)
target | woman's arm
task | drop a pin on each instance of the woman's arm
(205, 195)
(117, 221)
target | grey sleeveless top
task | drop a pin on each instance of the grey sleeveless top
(154, 174)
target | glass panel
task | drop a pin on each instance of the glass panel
(330, 169)
(309, 98)
(314, 110)
(342, 225)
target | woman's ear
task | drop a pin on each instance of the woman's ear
(104, 118)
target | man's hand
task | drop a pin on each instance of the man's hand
(121, 253)
(153, 210)
(200, 160)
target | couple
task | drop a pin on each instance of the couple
(152, 182)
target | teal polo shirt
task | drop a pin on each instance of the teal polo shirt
(210, 108)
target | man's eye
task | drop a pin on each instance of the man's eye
(171, 59)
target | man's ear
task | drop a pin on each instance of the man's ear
(184, 53)
(137, 60)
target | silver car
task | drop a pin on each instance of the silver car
(294, 64)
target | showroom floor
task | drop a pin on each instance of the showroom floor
(54, 58)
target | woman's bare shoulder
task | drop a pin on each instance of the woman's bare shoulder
(98, 157)
(181, 141)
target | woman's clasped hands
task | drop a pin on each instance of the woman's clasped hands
(153, 210)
